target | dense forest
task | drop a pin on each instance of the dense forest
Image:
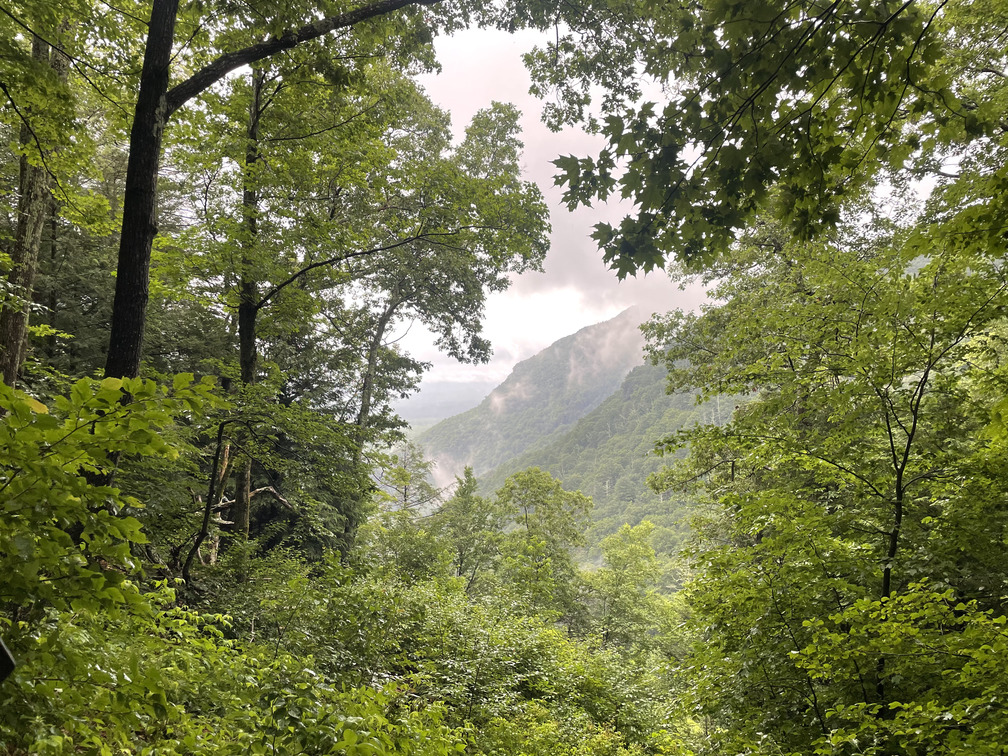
(608, 455)
(212, 217)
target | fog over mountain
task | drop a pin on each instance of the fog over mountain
(544, 395)
(589, 411)
(441, 399)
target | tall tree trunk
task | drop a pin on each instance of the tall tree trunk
(52, 299)
(356, 505)
(367, 390)
(129, 309)
(33, 208)
(248, 292)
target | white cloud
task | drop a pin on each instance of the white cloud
(576, 289)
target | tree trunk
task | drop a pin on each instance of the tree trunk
(242, 507)
(33, 207)
(129, 309)
(367, 390)
(248, 294)
(52, 299)
(248, 286)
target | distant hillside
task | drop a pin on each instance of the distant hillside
(544, 396)
(607, 455)
(441, 399)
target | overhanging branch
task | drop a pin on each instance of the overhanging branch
(213, 72)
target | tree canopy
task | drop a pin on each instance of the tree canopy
(788, 108)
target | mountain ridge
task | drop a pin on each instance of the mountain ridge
(600, 445)
(543, 395)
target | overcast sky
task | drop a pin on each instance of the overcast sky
(576, 289)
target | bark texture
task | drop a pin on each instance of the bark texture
(34, 206)
(129, 308)
(248, 295)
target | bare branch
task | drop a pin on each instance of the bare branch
(333, 261)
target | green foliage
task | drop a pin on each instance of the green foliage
(395, 544)
(536, 561)
(789, 109)
(543, 510)
(363, 216)
(104, 663)
(404, 481)
(846, 494)
(957, 711)
(622, 588)
(495, 668)
(472, 527)
(292, 655)
(166, 680)
(65, 539)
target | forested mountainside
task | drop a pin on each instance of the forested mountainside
(609, 453)
(544, 395)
